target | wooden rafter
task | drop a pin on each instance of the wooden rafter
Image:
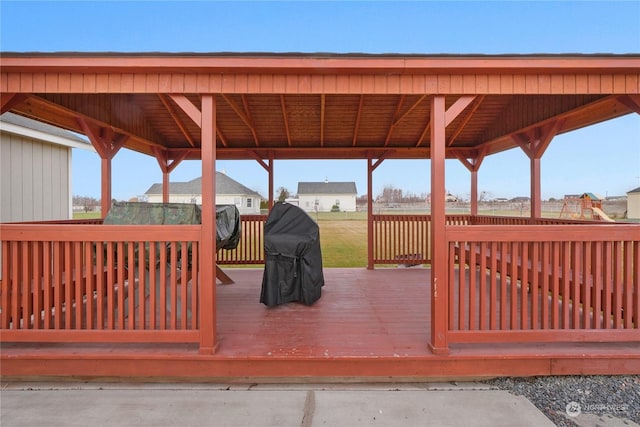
(243, 116)
(286, 120)
(322, 109)
(406, 113)
(8, 100)
(465, 120)
(247, 110)
(394, 120)
(357, 124)
(176, 119)
(222, 138)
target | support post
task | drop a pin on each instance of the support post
(534, 143)
(371, 166)
(474, 193)
(165, 187)
(439, 268)
(473, 165)
(105, 187)
(536, 193)
(208, 261)
(271, 189)
(369, 212)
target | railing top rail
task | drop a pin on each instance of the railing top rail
(96, 232)
(543, 233)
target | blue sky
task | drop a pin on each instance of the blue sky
(603, 159)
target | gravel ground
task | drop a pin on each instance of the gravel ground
(618, 396)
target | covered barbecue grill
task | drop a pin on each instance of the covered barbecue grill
(293, 260)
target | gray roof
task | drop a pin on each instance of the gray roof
(327, 188)
(635, 190)
(24, 122)
(224, 185)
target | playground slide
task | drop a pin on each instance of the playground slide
(601, 214)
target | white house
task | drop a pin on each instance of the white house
(228, 192)
(326, 196)
(633, 204)
(35, 169)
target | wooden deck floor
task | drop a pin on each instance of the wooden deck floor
(369, 325)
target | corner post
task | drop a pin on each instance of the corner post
(370, 212)
(439, 268)
(208, 236)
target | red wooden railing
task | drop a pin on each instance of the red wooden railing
(544, 283)
(250, 249)
(99, 283)
(405, 239)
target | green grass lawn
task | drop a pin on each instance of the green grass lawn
(86, 215)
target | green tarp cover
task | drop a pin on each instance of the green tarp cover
(137, 213)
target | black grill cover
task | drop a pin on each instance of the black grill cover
(293, 260)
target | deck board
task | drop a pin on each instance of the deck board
(369, 325)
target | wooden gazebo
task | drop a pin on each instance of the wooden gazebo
(501, 296)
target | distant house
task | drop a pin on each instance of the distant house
(633, 204)
(326, 196)
(35, 169)
(228, 192)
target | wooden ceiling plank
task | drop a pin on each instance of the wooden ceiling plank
(176, 119)
(465, 120)
(286, 120)
(394, 120)
(357, 124)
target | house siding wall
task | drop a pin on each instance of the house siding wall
(633, 205)
(35, 179)
(241, 201)
(347, 202)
